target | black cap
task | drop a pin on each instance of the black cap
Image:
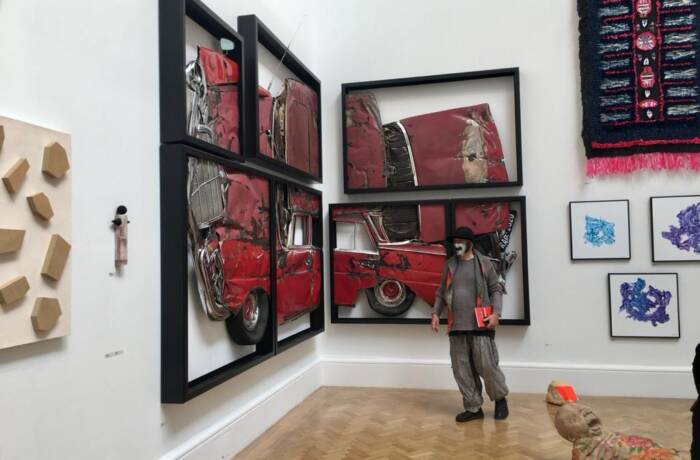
(464, 233)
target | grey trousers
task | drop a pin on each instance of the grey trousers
(475, 357)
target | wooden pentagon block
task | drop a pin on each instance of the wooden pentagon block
(41, 206)
(10, 240)
(13, 290)
(45, 314)
(2, 135)
(55, 162)
(14, 177)
(56, 257)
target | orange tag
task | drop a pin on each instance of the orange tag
(567, 393)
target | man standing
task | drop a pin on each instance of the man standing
(469, 280)
(695, 448)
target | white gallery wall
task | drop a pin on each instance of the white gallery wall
(91, 69)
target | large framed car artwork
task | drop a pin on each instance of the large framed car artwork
(447, 131)
(241, 248)
(387, 259)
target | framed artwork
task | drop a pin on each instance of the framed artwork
(639, 78)
(459, 130)
(675, 228)
(283, 104)
(299, 293)
(644, 305)
(241, 261)
(388, 258)
(35, 233)
(202, 79)
(600, 230)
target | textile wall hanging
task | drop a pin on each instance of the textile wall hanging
(640, 90)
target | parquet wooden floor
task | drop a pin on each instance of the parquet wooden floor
(337, 423)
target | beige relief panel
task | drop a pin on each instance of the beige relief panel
(35, 233)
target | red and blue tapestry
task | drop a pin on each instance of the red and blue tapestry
(639, 84)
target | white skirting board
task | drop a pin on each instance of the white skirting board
(231, 435)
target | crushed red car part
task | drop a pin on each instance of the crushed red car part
(365, 142)
(265, 101)
(229, 239)
(214, 115)
(298, 258)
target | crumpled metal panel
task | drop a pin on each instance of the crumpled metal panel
(265, 101)
(456, 146)
(298, 282)
(301, 201)
(221, 80)
(418, 266)
(482, 217)
(432, 222)
(364, 138)
(247, 208)
(246, 267)
(352, 272)
(300, 129)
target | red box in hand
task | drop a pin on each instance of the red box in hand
(481, 314)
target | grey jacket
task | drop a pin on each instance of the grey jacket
(488, 285)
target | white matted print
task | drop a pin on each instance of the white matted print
(600, 230)
(644, 305)
(675, 228)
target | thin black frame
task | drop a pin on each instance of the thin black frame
(449, 223)
(513, 72)
(571, 232)
(255, 31)
(678, 302)
(175, 385)
(172, 61)
(651, 217)
(317, 316)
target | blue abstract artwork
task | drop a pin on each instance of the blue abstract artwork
(686, 236)
(648, 306)
(599, 232)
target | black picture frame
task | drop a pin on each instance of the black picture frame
(610, 307)
(512, 72)
(175, 386)
(571, 233)
(255, 31)
(652, 227)
(172, 62)
(450, 205)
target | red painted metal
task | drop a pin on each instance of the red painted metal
(301, 127)
(431, 221)
(243, 236)
(365, 142)
(221, 74)
(456, 146)
(298, 267)
(482, 218)
(265, 101)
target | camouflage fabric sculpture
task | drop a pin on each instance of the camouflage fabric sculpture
(581, 426)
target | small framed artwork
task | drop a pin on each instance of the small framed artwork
(675, 228)
(644, 305)
(459, 130)
(600, 230)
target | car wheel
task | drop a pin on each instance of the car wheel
(390, 298)
(248, 326)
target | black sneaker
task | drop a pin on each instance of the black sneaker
(467, 416)
(501, 411)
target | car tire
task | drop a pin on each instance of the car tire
(248, 326)
(390, 298)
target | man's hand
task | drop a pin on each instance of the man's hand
(492, 321)
(435, 323)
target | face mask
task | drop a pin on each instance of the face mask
(460, 248)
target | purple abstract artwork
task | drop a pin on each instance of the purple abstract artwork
(686, 236)
(645, 306)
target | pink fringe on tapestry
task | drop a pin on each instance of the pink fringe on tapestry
(652, 161)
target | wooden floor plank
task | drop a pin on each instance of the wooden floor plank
(342, 423)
